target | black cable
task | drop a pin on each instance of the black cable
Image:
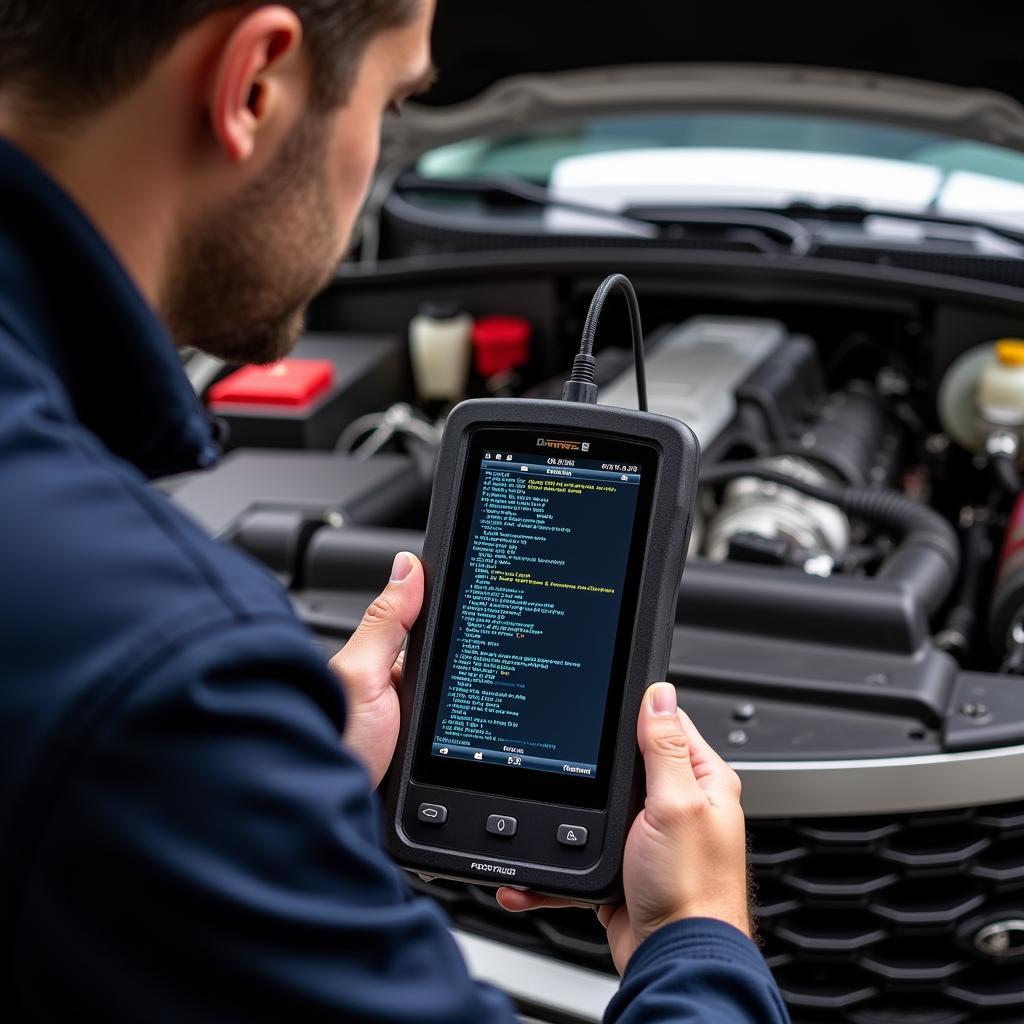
(581, 385)
(1006, 474)
(958, 631)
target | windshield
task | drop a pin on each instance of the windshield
(724, 159)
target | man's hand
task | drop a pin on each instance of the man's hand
(370, 667)
(686, 853)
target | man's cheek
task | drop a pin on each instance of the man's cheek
(353, 175)
(364, 158)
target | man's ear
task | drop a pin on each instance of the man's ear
(248, 80)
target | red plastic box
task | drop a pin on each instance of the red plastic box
(294, 383)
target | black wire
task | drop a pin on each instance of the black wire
(958, 631)
(1006, 473)
(590, 325)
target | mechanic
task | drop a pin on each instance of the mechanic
(188, 827)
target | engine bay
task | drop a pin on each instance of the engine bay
(882, 624)
(847, 632)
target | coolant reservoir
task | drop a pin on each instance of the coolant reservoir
(1001, 387)
(982, 391)
(440, 350)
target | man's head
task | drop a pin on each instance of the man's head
(225, 148)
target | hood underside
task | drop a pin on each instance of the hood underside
(974, 46)
(532, 99)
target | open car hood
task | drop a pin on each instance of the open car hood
(477, 43)
(978, 114)
(506, 65)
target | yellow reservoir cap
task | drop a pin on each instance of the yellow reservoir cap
(1010, 351)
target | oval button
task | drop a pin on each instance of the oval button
(502, 825)
(432, 814)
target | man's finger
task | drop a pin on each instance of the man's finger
(714, 775)
(517, 900)
(377, 641)
(671, 785)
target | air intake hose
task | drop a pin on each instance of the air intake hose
(927, 559)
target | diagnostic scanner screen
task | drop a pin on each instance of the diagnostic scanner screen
(528, 670)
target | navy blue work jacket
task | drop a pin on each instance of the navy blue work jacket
(183, 836)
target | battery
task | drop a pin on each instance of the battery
(309, 399)
(295, 383)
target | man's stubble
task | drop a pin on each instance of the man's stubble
(241, 280)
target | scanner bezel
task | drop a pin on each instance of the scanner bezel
(593, 875)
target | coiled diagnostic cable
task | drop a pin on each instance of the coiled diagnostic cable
(581, 385)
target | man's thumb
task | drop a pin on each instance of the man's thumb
(671, 784)
(379, 636)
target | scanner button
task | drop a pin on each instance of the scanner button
(501, 825)
(572, 835)
(432, 814)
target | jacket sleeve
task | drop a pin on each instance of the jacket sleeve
(210, 852)
(697, 971)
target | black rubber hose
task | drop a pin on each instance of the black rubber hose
(928, 557)
(1006, 474)
(958, 631)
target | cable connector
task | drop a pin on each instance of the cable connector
(581, 385)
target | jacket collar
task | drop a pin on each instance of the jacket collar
(65, 295)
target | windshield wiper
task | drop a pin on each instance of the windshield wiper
(790, 230)
(766, 232)
(990, 239)
(798, 238)
(506, 192)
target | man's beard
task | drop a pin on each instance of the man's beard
(241, 280)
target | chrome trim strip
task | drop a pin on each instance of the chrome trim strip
(540, 980)
(885, 785)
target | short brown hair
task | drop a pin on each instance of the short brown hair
(83, 54)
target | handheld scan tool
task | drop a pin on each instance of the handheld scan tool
(553, 553)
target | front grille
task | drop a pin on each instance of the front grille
(864, 920)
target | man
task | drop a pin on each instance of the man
(188, 829)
